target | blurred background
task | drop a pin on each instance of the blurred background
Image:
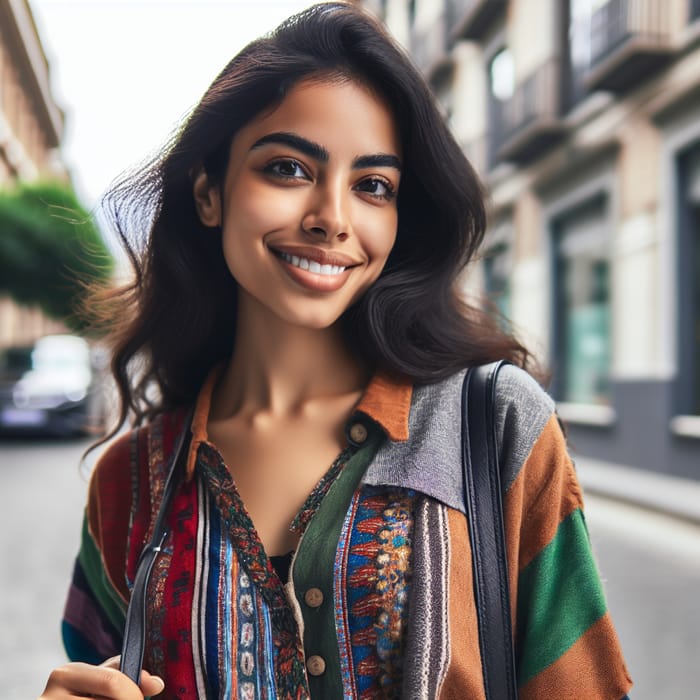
(582, 117)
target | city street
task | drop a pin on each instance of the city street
(651, 565)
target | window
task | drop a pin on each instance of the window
(502, 75)
(688, 399)
(581, 44)
(497, 270)
(501, 82)
(694, 10)
(582, 305)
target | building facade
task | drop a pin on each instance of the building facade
(583, 119)
(31, 126)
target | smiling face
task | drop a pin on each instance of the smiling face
(308, 203)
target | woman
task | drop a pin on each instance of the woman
(306, 228)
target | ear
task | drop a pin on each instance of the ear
(207, 199)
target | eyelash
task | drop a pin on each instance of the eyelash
(390, 191)
(272, 169)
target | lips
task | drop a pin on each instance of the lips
(317, 255)
(315, 269)
(312, 265)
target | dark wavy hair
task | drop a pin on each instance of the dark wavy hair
(177, 318)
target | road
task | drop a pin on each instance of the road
(650, 563)
(43, 492)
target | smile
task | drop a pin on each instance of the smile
(311, 265)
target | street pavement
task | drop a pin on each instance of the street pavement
(650, 563)
(43, 492)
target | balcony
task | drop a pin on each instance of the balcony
(629, 41)
(529, 123)
(429, 51)
(470, 19)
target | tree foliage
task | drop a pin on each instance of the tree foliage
(50, 250)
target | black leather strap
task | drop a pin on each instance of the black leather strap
(135, 626)
(482, 481)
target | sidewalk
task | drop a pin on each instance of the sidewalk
(668, 494)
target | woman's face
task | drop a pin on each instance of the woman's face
(308, 203)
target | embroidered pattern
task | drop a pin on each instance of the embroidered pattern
(373, 564)
(287, 652)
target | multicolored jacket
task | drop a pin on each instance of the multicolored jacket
(380, 600)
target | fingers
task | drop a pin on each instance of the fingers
(149, 684)
(78, 679)
(105, 681)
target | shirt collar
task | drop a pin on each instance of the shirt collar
(386, 400)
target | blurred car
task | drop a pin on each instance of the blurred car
(54, 387)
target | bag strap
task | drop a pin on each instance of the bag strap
(135, 627)
(482, 481)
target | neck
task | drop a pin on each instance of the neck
(278, 368)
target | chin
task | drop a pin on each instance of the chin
(313, 322)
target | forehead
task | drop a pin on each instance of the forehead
(342, 115)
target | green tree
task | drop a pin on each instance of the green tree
(50, 250)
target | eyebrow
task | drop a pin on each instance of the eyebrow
(319, 153)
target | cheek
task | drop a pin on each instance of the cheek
(250, 210)
(380, 239)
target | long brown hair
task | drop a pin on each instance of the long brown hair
(177, 319)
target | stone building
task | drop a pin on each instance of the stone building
(31, 125)
(583, 119)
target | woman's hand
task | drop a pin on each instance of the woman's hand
(105, 682)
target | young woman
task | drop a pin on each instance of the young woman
(297, 287)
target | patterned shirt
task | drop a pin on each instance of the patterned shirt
(379, 603)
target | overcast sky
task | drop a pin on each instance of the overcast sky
(125, 72)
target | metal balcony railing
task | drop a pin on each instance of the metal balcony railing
(429, 48)
(529, 122)
(470, 19)
(629, 39)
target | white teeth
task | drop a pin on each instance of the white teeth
(312, 266)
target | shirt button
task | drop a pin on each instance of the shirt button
(358, 433)
(313, 597)
(315, 665)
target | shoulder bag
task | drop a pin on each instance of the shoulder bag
(482, 484)
(135, 627)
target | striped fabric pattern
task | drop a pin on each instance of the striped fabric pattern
(385, 542)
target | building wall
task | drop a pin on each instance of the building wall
(591, 154)
(31, 126)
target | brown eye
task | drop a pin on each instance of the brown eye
(377, 187)
(286, 168)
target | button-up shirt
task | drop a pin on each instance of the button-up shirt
(379, 600)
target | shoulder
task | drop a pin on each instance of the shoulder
(110, 491)
(525, 421)
(524, 416)
(430, 459)
(521, 403)
(134, 450)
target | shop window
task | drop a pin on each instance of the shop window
(688, 392)
(582, 305)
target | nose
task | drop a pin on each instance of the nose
(328, 214)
